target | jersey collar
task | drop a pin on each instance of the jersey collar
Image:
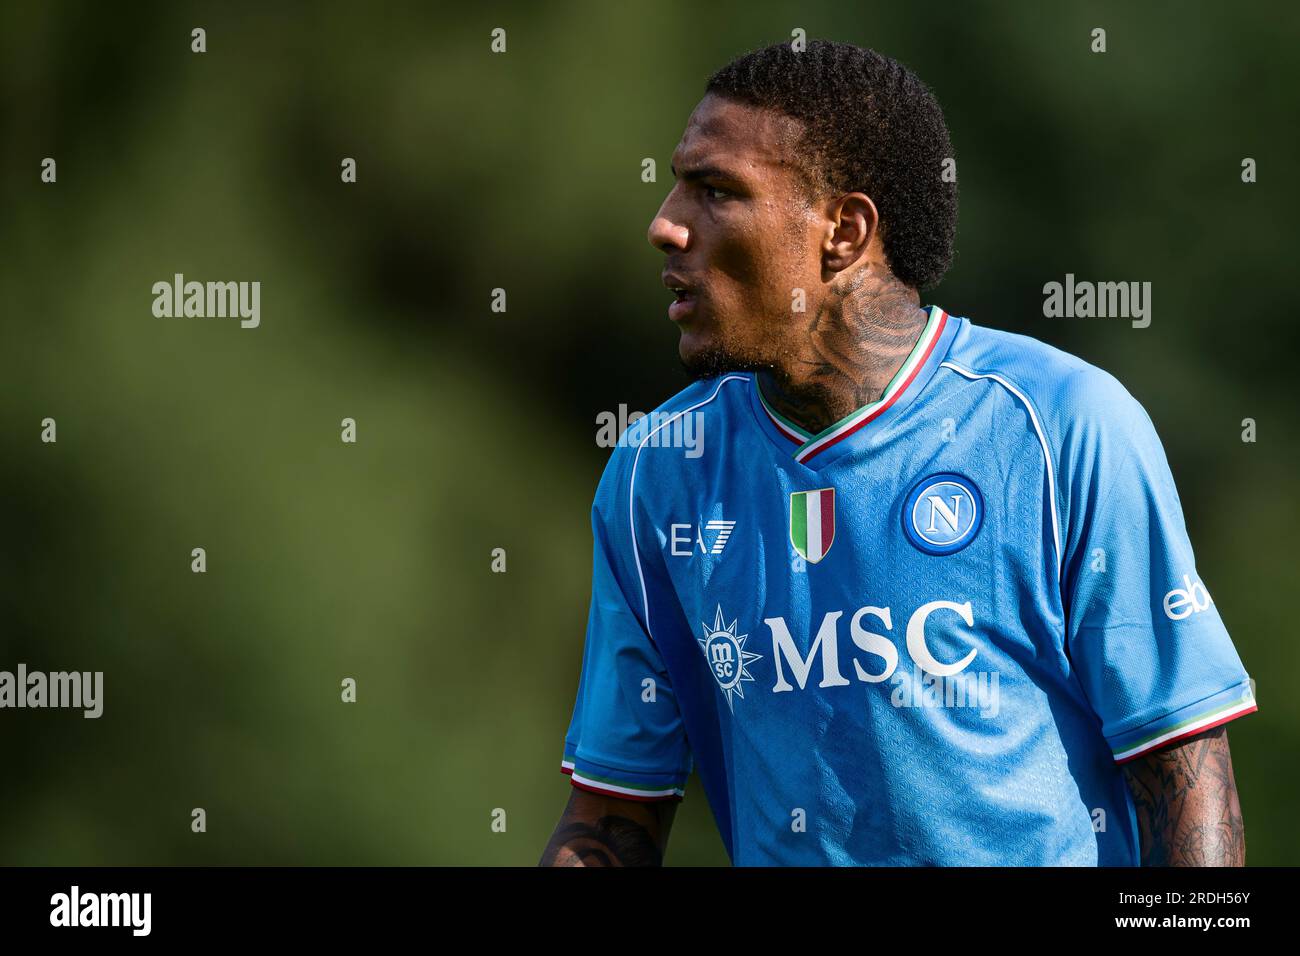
(817, 450)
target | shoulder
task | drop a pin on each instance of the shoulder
(711, 396)
(663, 437)
(1073, 401)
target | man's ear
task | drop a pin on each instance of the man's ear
(852, 224)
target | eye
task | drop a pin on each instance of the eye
(710, 190)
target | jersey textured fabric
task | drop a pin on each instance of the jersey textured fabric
(929, 635)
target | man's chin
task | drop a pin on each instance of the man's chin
(711, 359)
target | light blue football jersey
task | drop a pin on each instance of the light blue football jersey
(929, 635)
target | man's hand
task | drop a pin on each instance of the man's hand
(596, 830)
(1186, 800)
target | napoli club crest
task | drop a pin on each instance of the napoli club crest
(943, 513)
(812, 523)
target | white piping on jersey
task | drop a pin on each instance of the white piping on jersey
(1047, 455)
(631, 487)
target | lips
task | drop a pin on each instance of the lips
(681, 308)
(684, 295)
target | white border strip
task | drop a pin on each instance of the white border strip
(1219, 716)
(615, 788)
(796, 437)
(631, 488)
(1047, 455)
(919, 354)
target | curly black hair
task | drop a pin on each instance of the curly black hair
(869, 125)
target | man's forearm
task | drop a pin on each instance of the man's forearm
(603, 831)
(1187, 807)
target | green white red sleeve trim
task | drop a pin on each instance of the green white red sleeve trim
(1236, 701)
(624, 784)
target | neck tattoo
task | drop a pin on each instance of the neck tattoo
(845, 355)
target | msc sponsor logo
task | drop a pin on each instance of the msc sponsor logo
(826, 646)
(930, 682)
(942, 513)
(1191, 598)
(943, 685)
(724, 649)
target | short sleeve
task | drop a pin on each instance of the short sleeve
(1143, 633)
(626, 738)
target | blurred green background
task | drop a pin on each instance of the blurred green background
(476, 430)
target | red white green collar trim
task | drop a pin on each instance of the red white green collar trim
(810, 444)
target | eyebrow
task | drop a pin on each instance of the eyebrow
(705, 172)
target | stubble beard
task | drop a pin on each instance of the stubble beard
(720, 356)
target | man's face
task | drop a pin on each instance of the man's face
(739, 235)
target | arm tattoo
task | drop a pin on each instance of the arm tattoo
(609, 841)
(1187, 808)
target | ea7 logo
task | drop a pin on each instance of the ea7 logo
(717, 531)
(1187, 600)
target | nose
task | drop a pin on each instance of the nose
(666, 235)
